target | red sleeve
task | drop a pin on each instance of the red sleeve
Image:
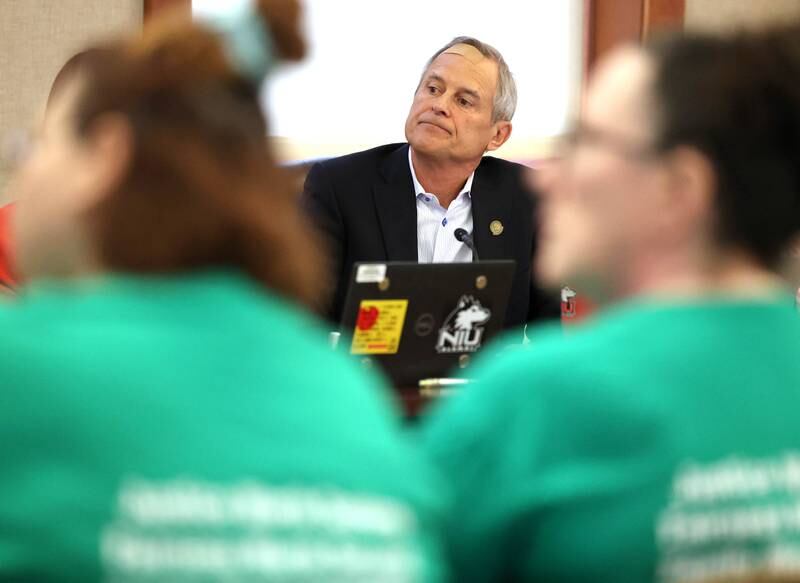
(7, 277)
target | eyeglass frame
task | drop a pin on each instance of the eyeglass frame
(581, 133)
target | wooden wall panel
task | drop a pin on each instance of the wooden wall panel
(609, 23)
(662, 14)
(613, 22)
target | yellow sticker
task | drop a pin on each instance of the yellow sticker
(379, 326)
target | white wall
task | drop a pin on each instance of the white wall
(367, 55)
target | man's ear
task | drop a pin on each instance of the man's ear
(692, 185)
(109, 144)
(502, 131)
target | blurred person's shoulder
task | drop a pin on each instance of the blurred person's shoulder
(552, 349)
(558, 364)
(616, 349)
(193, 336)
(559, 383)
(214, 309)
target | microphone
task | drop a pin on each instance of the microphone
(466, 238)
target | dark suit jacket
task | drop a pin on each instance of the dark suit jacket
(365, 204)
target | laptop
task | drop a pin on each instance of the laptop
(424, 320)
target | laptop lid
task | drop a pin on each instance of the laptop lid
(423, 320)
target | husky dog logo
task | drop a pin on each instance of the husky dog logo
(463, 328)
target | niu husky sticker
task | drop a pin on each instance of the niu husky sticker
(463, 329)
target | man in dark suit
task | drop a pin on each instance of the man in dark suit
(403, 202)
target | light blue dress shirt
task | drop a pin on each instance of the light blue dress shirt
(436, 225)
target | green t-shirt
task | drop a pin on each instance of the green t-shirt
(661, 442)
(197, 429)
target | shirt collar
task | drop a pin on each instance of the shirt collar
(418, 189)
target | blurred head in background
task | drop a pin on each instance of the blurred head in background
(17, 151)
(153, 159)
(683, 174)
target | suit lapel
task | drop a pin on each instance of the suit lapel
(397, 208)
(489, 204)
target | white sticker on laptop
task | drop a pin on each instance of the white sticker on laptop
(371, 273)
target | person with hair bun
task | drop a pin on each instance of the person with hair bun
(167, 413)
(660, 441)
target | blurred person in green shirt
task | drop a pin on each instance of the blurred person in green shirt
(661, 441)
(167, 412)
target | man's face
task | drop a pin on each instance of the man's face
(598, 212)
(451, 116)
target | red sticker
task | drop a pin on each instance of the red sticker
(367, 318)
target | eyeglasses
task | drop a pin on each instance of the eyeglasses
(584, 135)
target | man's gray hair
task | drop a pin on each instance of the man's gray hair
(505, 95)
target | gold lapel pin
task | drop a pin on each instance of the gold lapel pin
(496, 227)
